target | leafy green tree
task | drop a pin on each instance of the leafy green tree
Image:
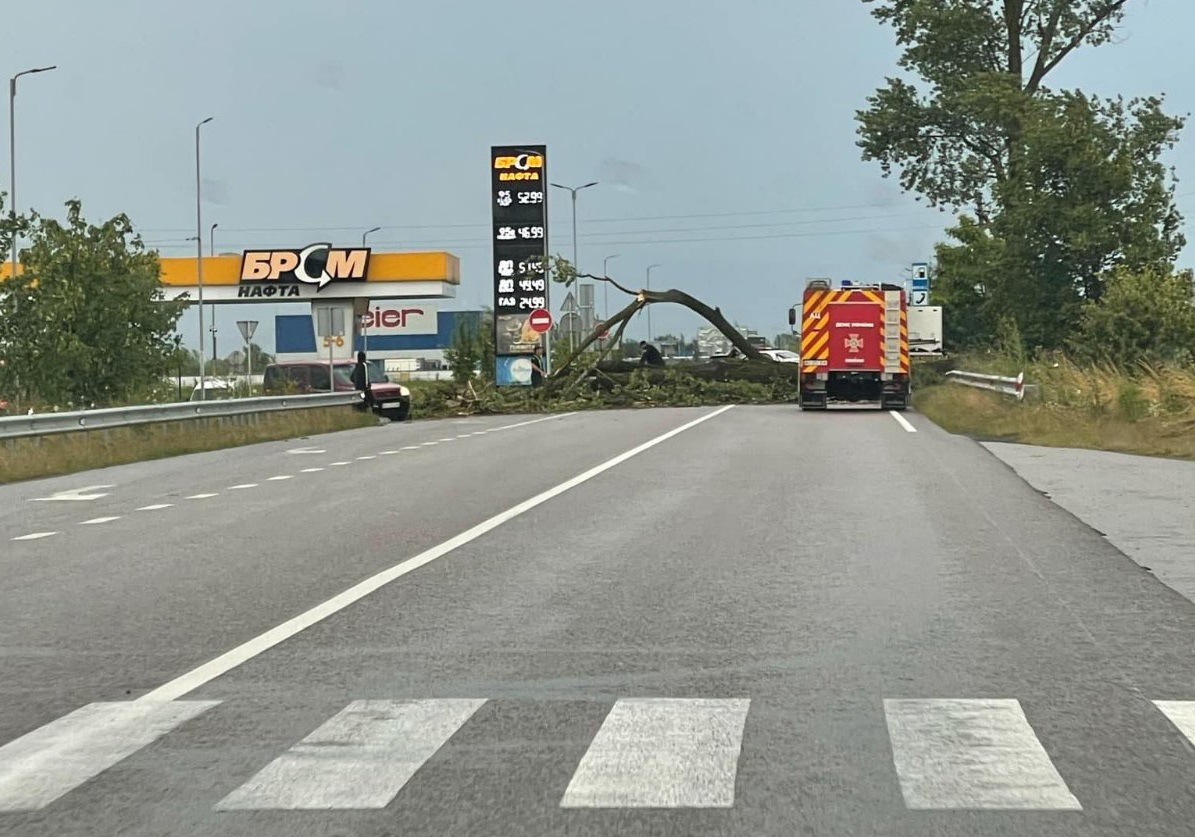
(465, 352)
(85, 321)
(1144, 315)
(1059, 188)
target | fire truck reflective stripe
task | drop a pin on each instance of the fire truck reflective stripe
(821, 349)
(812, 322)
(874, 297)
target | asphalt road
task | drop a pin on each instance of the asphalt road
(766, 623)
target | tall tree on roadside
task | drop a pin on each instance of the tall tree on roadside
(85, 322)
(1057, 188)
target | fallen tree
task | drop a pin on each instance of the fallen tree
(567, 275)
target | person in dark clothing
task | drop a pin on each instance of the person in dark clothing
(361, 378)
(651, 355)
(538, 366)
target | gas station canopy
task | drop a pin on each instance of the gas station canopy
(312, 273)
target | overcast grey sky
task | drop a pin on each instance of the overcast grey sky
(333, 117)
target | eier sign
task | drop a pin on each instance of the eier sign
(397, 318)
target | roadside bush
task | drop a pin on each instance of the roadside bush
(1143, 316)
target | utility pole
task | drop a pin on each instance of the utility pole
(199, 258)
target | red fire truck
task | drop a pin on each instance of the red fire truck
(854, 345)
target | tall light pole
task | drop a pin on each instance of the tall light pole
(576, 266)
(12, 150)
(199, 257)
(649, 267)
(212, 252)
(606, 291)
(367, 232)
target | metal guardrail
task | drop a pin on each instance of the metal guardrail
(44, 424)
(996, 383)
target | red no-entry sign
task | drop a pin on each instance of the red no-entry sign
(540, 320)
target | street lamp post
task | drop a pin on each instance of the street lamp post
(199, 257)
(12, 150)
(649, 267)
(606, 290)
(12, 173)
(576, 267)
(367, 232)
(212, 252)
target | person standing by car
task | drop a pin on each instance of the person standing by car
(361, 379)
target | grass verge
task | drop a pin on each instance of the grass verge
(64, 453)
(1149, 410)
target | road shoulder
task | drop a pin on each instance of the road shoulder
(1145, 506)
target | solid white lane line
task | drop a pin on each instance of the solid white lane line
(310, 470)
(53, 760)
(283, 477)
(972, 754)
(156, 507)
(360, 758)
(231, 659)
(201, 496)
(96, 520)
(35, 536)
(902, 421)
(662, 753)
(242, 486)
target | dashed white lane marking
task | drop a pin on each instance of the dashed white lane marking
(449, 439)
(464, 435)
(662, 753)
(230, 659)
(429, 444)
(96, 520)
(479, 433)
(387, 453)
(35, 536)
(358, 759)
(972, 755)
(202, 496)
(283, 477)
(367, 457)
(242, 486)
(156, 507)
(902, 421)
(339, 463)
(53, 760)
(310, 470)
(411, 447)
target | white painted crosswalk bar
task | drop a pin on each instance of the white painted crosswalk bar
(360, 758)
(662, 753)
(1181, 713)
(972, 754)
(53, 760)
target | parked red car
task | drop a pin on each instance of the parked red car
(390, 400)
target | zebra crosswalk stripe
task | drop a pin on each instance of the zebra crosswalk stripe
(662, 753)
(53, 760)
(972, 754)
(360, 758)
